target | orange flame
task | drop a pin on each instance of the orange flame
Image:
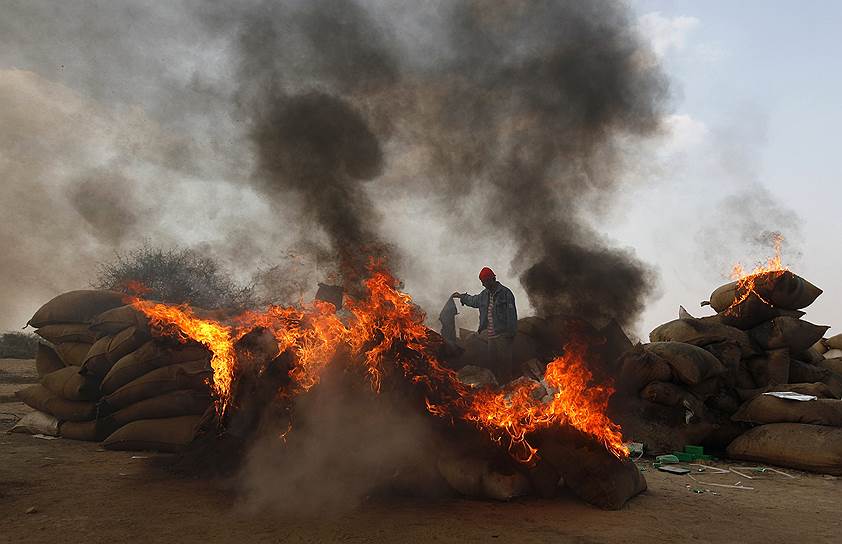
(385, 333)
(747, 282)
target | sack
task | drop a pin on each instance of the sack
(67, 332)
(806, 373)
(638, 368)
(690, 364)
(817, 389)
(80, 430)
(477, 377)
(69, 384)
(75, 307)
(787, 332)
(730, 355)
(782, 289)
(831, 354)
(816, 448)
(768, 409)
(42, 399)
(771, 369)
(96, 361)
(750, 313)
(146, 359)
(834, 365)
(810, 355)
(192, 375)
(47, 360)
(36, 423)
(172, 404)
(118, 319)
(701, 332)
(125, 342)
(73, 353)
(171, 435)
(667, 394)
(820, 347)
(595, 475)
(834, 342)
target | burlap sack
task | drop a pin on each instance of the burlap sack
(816, 448)
(638, 368)
(118, 319)
(68, 384)
(80, 430)
(782, 289)
(834, 342)
(76, 307)
(531, 326)
(125, 342)
(37, 423)
(73, 353)
(47, 360)
(817, 389)
(67, 332)
(834, 365)
(690, 364)
(771, 368)
(42, 399)
(700, 332)
(166, 435)
(730, 355)
(146, 359)
(182, 402)
(750, 313)
(191, 375)
(463, 473)
(787, 332)
(96, 361)
(768, 409)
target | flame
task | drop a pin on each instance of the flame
(385, 334)
(748, 282)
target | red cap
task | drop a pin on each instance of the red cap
(486, 274)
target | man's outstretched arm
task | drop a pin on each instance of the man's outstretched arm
(467, 300)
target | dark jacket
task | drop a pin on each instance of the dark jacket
(505, 313)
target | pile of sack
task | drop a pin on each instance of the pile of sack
(719, 380)
(105, 378)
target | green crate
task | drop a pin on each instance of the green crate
(696, 450)
(684, 457)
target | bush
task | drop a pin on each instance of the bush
(18, 345)
(175, 276)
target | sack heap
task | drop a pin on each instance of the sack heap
(105, 378)
(701, 381)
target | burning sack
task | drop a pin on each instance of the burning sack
(76, 307)
(780, 288)
(768, 409)
(816, 448)
(473, 477)
(171, 435)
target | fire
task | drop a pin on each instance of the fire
(385, 334)
(181, 322)
(747, 282)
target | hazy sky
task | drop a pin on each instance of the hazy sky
(749, 147)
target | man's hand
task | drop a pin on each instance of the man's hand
(456, 295)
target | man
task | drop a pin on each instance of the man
(497, 321)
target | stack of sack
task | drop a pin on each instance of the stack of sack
(702, 381)
(104, 377)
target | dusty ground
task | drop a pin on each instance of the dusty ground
(82, 493)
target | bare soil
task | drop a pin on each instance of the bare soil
(77, 492)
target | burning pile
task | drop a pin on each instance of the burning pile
(708, 380)
(148, 371)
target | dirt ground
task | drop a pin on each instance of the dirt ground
(81, 493)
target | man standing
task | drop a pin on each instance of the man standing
(497, 321)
